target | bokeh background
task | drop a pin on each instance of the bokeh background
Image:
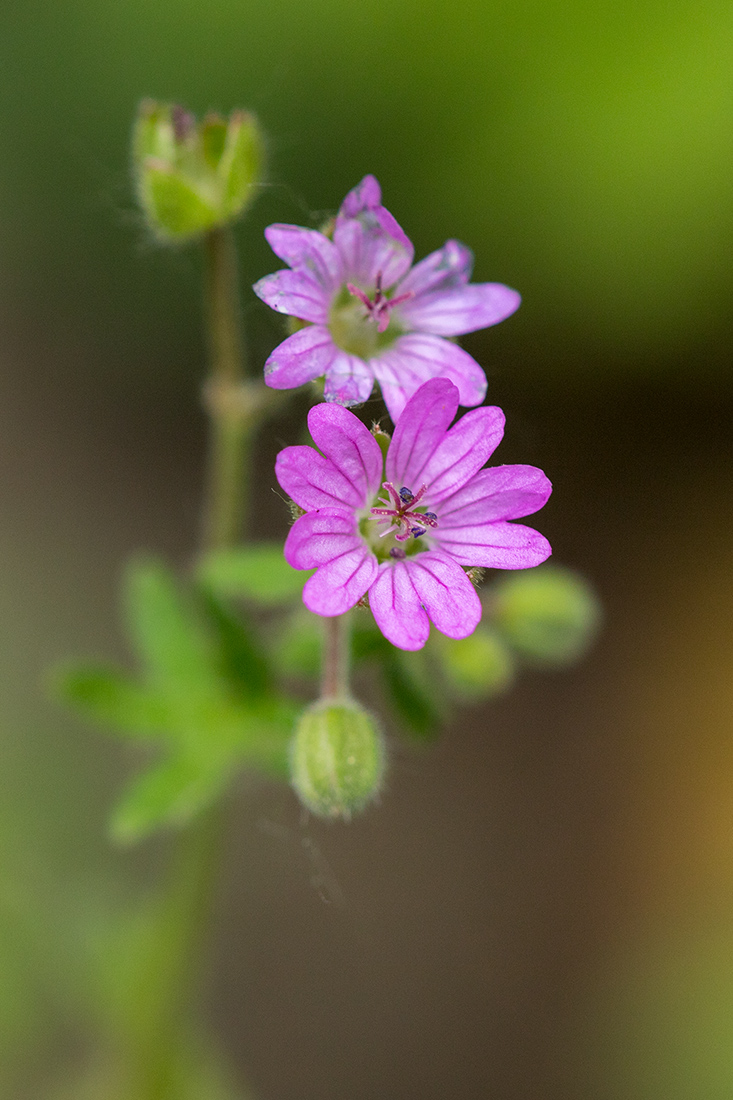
(542, 905)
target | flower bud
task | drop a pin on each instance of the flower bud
(549, 615)
(337, 758)
(193, 176)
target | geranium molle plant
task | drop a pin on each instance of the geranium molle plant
(369, 315)
(405, 530)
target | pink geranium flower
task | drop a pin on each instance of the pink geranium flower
(405, 531)
(371, 315)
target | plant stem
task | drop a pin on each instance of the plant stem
(335, 662)
(230, 432)
(234, 406)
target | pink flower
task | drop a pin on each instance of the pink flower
(371, 316)
(406, 533)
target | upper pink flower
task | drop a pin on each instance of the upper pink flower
(371, 315)
(438, 513)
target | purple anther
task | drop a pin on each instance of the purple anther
(416, 532)
(406, 495)
(398, 553)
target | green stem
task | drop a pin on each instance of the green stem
(230, 433)
(336, 658)
(234, 406)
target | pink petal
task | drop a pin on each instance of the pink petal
(499, 545)
(459, 454)
(419, 430)
(396, 607)
(462, 309)
(349, 380)
(308, 251)
(449, 267)
(296, 294)
(313, 481)
(367, 195)
(499, 493)
(369, 240)
(417, 357)
(405, 590)
(320, 536)
(446, 593)
(305, 355)
(350, 447)
(341, 583)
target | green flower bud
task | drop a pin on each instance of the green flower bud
(337, 758)
(549, 615)
(193, 176)
(477, 666)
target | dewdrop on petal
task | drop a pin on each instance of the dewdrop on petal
(337, 758)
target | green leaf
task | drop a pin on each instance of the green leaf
(411, 691)
(106, 695)
(169, 794)
(241, 660)
(259, 573)
(170, 633)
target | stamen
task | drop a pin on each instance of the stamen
(378, 308)
(406, 495)
(398, 553)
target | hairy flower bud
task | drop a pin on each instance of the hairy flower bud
(337, 758)
(192, 176)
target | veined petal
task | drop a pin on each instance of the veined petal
(396, 607)
(449, 267)
(456, 311)
(350, 447)
(341, 583)
(498, 493)
(369, 240)
(446, 593)
(417, 357)
(313, 481)
(349, 380)
(309, 251)
(320, 536)
(294, 293)
(305, 355)
(460, 453)
(420, 429)
(430, 582)
(498, 545)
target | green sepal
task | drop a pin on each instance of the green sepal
(241, 164)
(173, 206)
(259, 573)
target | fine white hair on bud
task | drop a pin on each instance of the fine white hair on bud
(337, 758)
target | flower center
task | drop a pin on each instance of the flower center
(358, 323)
(404, 522)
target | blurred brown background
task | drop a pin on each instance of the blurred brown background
(542, 905)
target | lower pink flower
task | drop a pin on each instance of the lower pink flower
(405, 531)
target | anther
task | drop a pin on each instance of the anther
(398, 553)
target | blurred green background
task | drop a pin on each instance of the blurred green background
(542, 906)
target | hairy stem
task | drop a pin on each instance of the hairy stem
(335, 660)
